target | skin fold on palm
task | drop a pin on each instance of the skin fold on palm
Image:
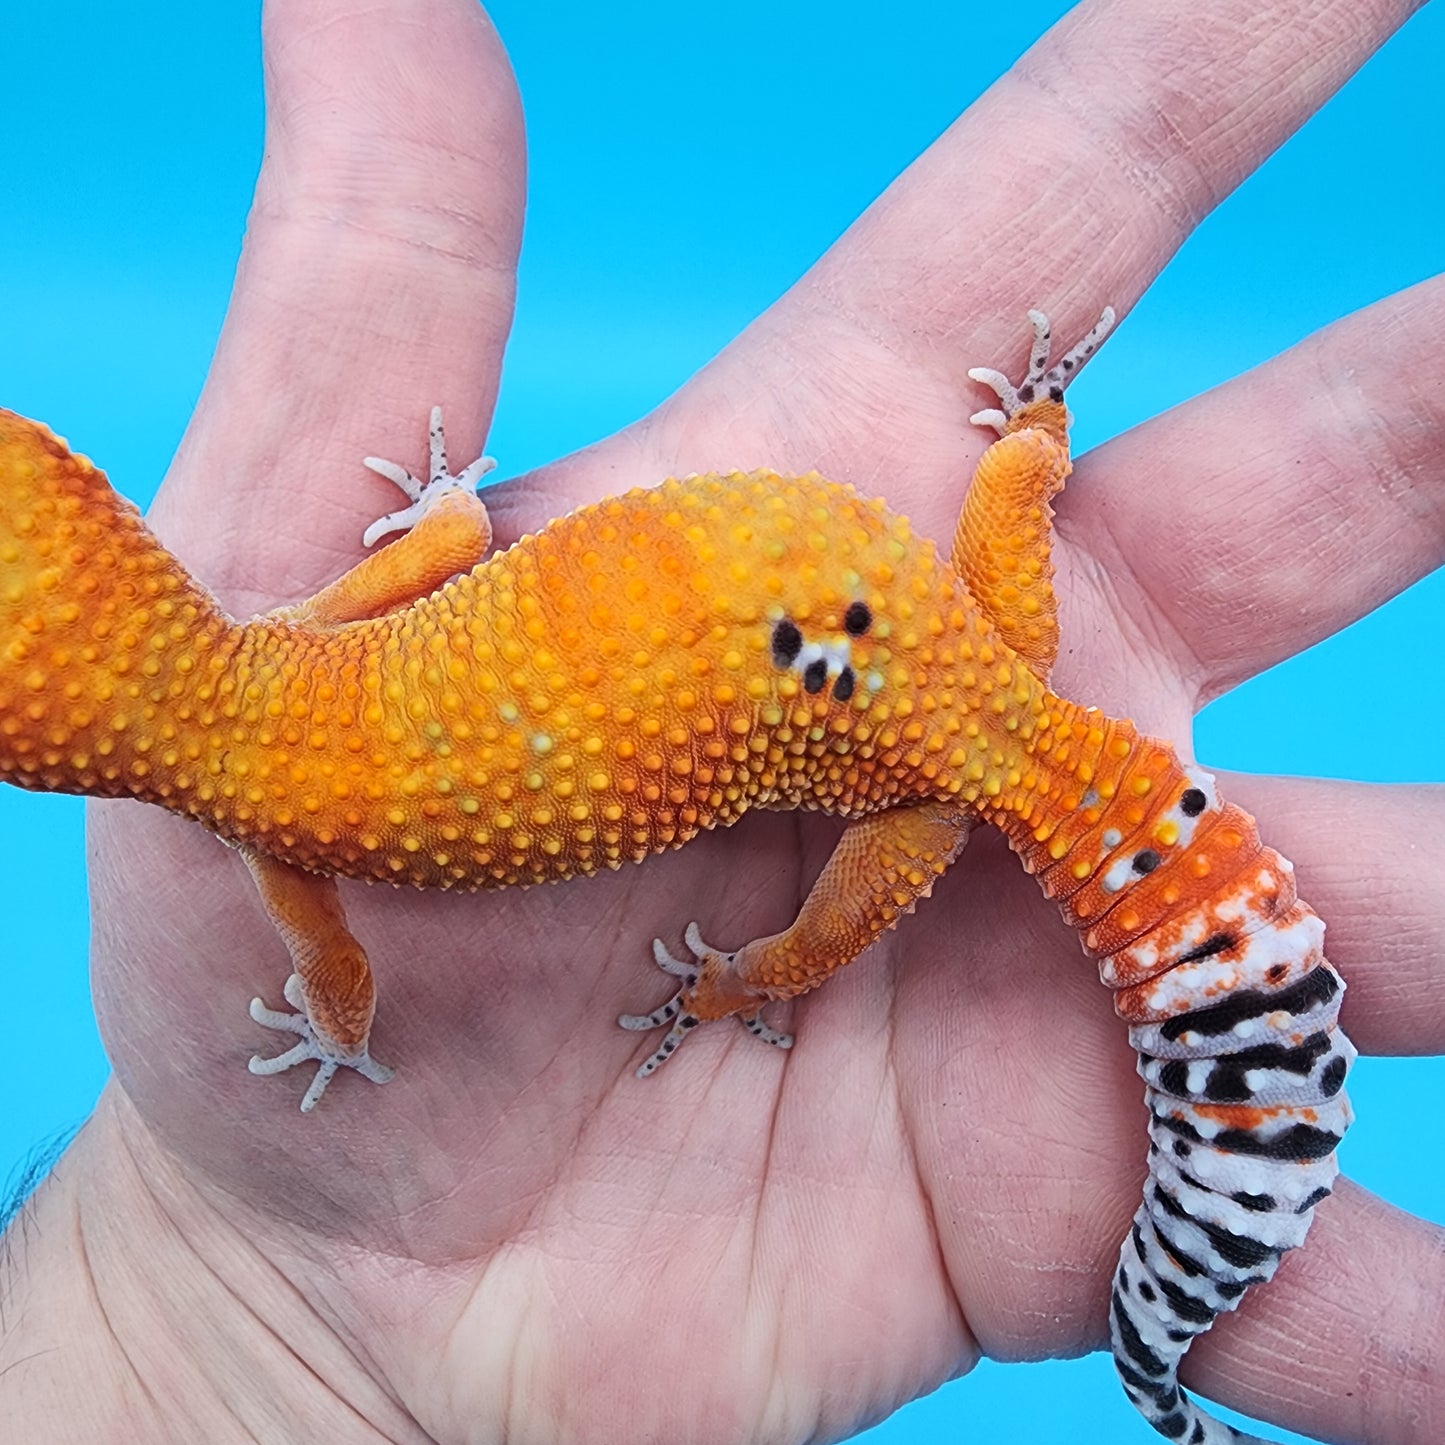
(518, 1239)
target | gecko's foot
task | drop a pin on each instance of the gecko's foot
(678, 1010)
(439, 481)
(311, 1045)
(1042, 380)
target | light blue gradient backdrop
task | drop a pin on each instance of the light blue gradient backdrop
(688, 163)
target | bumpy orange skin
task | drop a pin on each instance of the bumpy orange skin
(106, 644)
(598, 692)
(658, 664)
(1001, 549)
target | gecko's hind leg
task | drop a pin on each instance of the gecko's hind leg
(1043, 385)
(674, 1010)
(1004, 542)
(881, 867)
(424, 495)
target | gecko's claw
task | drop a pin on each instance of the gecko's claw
(423, 494)
(676, 1010)
(310, 1046)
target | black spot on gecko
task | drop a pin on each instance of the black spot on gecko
(1192, 802)
(1133, 1341)
(1226, 1086)
(1332, 1077)
(857, 619)
(1262, 1203)
(1164, 1394)
(1172, 1427)
(1215, 943)
(1196, 1435)
(1185, 1305)
(815, 675)
(1194, 1183)
(1146, 1292)
(843, 685)
(787, 643)
(1174, 1079)
(1227, 1083)
(1181, 1257)
(1146, 861)
(1315, 988)
(1309, 1203)
(1301, 1142)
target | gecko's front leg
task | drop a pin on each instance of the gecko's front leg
(332, 989)
(311, 1045)
(447, 531)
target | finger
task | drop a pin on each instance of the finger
(1069, 183)
(1348, 1341)
(1280, 507)
(1088, 163)
(1369, 859)
(376, 281)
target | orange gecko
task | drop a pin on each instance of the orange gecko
(661, 663)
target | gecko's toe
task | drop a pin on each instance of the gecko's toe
(706, 966)
(1042, 380)
(754, 1024)
(311, 1045)
(422, 494)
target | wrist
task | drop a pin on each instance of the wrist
(135, 1312)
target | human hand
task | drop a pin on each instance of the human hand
(516, 1219)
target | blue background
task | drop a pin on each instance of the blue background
(658, 133)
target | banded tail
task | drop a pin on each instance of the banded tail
(1220, 972)
(99, 625)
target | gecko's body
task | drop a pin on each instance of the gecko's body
(598, 693)
(658, 664)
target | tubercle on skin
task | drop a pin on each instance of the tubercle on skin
(594, 694)
(657, 664)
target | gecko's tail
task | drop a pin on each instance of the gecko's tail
(97, 622)
(1147, 1351)
(1219, 969)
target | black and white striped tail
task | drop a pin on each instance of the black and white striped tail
(1246, 1105)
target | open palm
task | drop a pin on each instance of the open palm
(519, 1240)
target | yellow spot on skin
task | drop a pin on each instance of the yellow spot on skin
(527, 696)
